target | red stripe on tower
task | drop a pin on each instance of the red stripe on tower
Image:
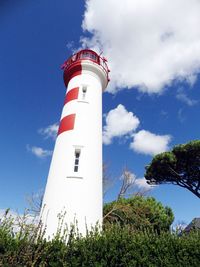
(71, 95)
(67, 123)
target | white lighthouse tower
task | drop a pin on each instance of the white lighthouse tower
(74, 183)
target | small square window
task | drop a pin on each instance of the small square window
(84, 89)
(76, 168)
(77, 154)
(76, 160)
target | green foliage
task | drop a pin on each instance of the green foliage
(140, 213)
(114, 247)
(181, 167)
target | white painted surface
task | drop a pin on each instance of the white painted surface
(79, 194)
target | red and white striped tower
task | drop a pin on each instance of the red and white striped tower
(74, 183)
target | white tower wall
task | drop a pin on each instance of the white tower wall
(78, 193)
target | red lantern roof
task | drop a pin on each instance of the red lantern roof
(86, 54)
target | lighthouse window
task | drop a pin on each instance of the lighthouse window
(89, 55)
(76, 162)
(84, 55)
(75, 168)
(84, 90)
(94, 57)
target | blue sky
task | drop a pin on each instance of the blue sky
(154, 87)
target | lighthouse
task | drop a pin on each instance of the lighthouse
(74, 184)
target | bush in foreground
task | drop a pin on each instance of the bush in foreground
(116, 246)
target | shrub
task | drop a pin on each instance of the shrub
(140, 213)
(116, 246)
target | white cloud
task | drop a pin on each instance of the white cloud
(131, 179)
(39, 151)
(181, 115)
(141, 183)
(50, 131)
(18, 219)
(185, 99)
(128, 177)
(9, 213)
(148, 43)
(3, 212)
(119, 122)
(150, 144)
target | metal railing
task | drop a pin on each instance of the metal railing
(86, 54)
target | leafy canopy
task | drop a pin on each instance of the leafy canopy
(181, 167)
(139, 213)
